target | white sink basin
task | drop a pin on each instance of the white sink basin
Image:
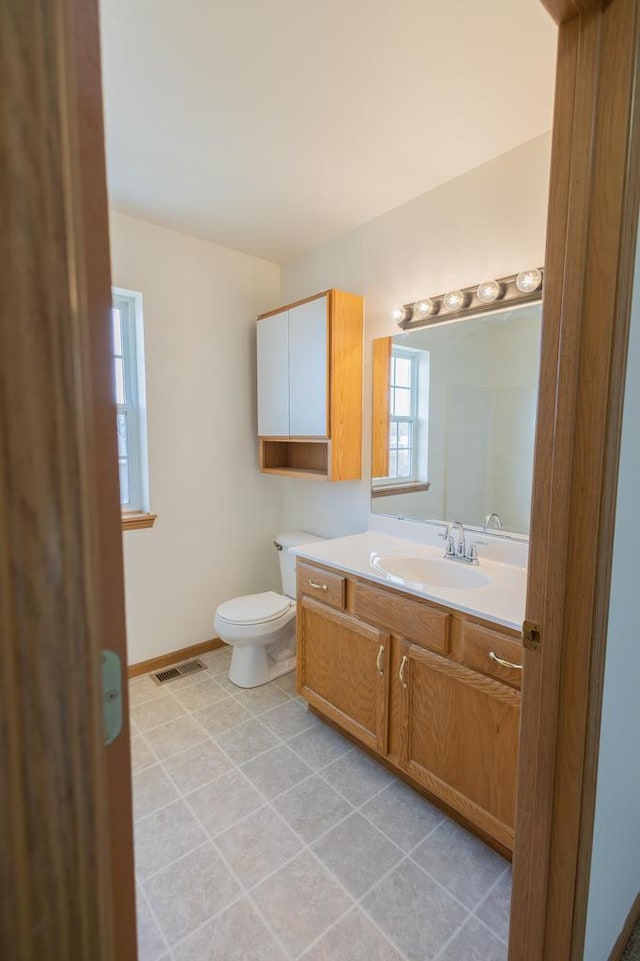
(430, 571)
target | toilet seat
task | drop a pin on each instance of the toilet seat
(254, 608)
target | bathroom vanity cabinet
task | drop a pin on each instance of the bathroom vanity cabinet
(310, 387)
(430, 690)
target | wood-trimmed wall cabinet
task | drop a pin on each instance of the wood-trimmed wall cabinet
(435, 693)
(310, 387)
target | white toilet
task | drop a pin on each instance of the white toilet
(261, 628)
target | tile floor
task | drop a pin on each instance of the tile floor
(263, 835)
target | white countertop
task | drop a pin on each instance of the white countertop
(502, 600)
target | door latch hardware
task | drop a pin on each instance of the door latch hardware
(111, 696)
(531, 636)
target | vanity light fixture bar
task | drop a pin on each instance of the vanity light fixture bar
(498, 294)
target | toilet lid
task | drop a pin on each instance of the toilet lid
(254, 608)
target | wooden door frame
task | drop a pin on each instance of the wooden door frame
(589, 264)
(66, 874)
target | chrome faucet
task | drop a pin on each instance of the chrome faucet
(459, 551)
(492, 517)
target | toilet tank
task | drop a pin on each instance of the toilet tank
(288, 560)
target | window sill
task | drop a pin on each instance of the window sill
(134, 520)
(392, 489)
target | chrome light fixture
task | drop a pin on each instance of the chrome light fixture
(529, 280)
(400, 314)
(502, 293)
(489, 291)
(423, 309)
(455, 300)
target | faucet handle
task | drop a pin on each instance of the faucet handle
(451, 547)
(472, 553)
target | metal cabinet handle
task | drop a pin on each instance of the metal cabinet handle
(319, 587)
(403, 668)
(379, 660)
(501, 661)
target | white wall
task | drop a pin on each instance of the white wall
(217, 515)
(487, 223)
(615, 866)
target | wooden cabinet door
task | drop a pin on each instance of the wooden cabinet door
(459, 738)
(308, 371)
(273, 375)
(343, 670)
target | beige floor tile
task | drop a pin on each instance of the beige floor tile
(222, 715)
(357, 853)
(287, 682)
(257, 846)
(276, 771)
(141, 754)
(289, 719)
(495, 910)
(299, 902)
(198, 695)
(319, 746)
(237, 934)
(403, 815)
(355, 938)
(164, 836)
(460, 862)
(153, 713)
(197, 766)
(414, 912)
(190, 891)
(218, 661)
(142, 689)
(312, 807)
(357, 777)
(175, 736)
(152, 789)
(474, 943)
(244, 741)
(222, 803)
(151, 946)
(261, 699)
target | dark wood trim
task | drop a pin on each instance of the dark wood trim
(84, 27)
(136, 520)
(589, 273)
(174, 657)
(65, 800)
(622, 940)
(563, 10)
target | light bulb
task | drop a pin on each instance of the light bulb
(489, 291)
(454, 300)
(423, 308)
(399, 314)
(528, 280)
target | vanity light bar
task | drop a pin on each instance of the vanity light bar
(503, 292)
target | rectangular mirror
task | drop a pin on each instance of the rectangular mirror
(454, 409)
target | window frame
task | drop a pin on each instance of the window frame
(135, 512)
(392, 484)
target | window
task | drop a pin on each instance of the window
(408, 422)
(126, 314)
(403, 415)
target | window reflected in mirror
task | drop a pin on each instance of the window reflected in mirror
(454, 420)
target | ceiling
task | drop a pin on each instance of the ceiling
(271, 126)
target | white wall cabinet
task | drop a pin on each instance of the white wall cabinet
(310, 387)
(308, 371)
(273, 375)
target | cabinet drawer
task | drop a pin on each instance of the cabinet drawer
(415, 620)
(480, 648)
(321, 584)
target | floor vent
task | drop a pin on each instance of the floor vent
(180, 670)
